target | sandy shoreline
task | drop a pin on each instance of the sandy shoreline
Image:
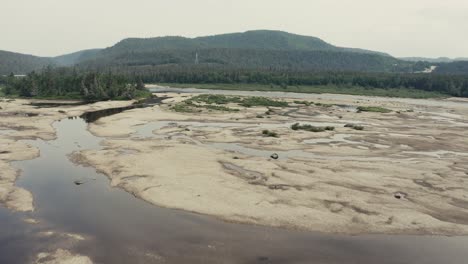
(343, 181)
(19, 122)
(22, 121)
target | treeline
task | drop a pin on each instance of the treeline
(453, 85)
(128, 82)
(71, 83)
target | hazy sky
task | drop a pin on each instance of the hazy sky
(429, 28)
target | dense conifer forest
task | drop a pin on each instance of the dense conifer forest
(73, 84)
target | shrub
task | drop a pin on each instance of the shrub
(304, 103)
(354, 126)
(311, 128)
(376, 109)
(268, 133)
(262, 101)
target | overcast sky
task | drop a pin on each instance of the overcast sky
(430, 28)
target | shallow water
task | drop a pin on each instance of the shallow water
(93, 116)
(124, 229)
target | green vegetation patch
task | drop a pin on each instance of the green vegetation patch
(182, 108)
(354, 126)
(191, 105)
(324, 105)
(217, 102)
(262, 101)
(250, 101)
(307, 103)
(375, 109)
(311, 128)
(268, 133)
(215, 99)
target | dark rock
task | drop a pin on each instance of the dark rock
(274, 156)
(78, 182)
(282, 187)
(400, 195)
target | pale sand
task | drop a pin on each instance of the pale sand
(347, 185)
(61, 256)
(15, 125)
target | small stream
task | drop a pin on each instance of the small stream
(123, 229)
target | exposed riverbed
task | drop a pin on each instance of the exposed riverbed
(113, 226)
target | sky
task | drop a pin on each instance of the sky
(402, 28)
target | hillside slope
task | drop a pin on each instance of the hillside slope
(260, 49)
(17, 63)
(76, 57)
(456, 67)
(253, 49)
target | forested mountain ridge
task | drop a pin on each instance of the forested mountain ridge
(456, 67)
(433, 60)
(76, 57)
(21, 63)
(251, 49)
(257, 39)
(259, 49)
(295, 60)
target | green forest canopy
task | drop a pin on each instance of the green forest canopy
(451, 85)
(70, 83)
(127, 82)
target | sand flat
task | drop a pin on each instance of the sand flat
(379, 180)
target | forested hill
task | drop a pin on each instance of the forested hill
(261, 49)
(21, 63)
(456, 67)
(257, 59)
(258, 39)
(73, 58)
(251, 50)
